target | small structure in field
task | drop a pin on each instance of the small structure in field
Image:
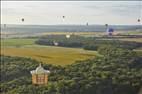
(55, 43)
(40, 75)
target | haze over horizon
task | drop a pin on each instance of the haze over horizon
(74, 12)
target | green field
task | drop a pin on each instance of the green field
(18, 42)
(47, 54)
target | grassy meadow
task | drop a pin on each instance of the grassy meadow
(48, 54)
(17, 42)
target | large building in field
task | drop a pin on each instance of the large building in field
(40, 75)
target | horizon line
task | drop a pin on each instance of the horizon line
(71, 24)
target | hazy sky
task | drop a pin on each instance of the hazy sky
(75, 12)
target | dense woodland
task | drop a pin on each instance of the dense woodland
(88, 43)
(115, 71)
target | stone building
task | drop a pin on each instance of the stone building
(40, 75)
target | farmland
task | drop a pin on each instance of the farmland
(131, 39)
(17, 42)
(47, 54)
(115, 62)
(26, 47)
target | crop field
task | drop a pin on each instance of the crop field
(46, 54)
(132, 39)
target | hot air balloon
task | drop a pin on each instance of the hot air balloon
(67, 36)
(139, 20)
(139, 24)
(4, 25)
(63, 17)
(110, 31)
(22, 19)
(106, 25)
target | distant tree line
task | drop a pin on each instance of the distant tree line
(88, 43)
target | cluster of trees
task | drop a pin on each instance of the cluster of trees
(73, 41)
(116, 71)
(88, 43)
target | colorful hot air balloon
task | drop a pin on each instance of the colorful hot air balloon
(110, 31)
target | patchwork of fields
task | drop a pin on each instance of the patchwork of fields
(47, 54)
(26, 47)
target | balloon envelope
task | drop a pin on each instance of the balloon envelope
(22, 19)
(139, 20)
(110, 30)
(67, 36)
(106, 25)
